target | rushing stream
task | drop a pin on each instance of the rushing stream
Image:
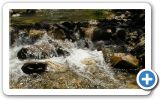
(86, 66)
(76, 49)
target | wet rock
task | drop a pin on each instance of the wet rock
(57, 34)
(124, 61)
(22, 54)
(69, 33)
(69, 25)
(41, 51)
(103, 33)
(62, 52)
(36, 33)
(34, 67)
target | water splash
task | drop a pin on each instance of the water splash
(85, 62)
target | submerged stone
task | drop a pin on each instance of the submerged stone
(90, 65)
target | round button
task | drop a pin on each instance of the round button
(147, 79)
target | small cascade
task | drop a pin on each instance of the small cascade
(84, 61)
(72, 54)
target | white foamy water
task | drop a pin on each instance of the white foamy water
(85, 62)
(78, 55)
(75, 59)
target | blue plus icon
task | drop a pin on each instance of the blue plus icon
(147, 79)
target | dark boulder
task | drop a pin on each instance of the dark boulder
(62, 52)
(25, 53)
(103, 33)
(69, 33)
(34, 67)
(22, 54)
(69, 25)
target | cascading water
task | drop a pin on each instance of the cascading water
(56, 49)
(84, 62)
